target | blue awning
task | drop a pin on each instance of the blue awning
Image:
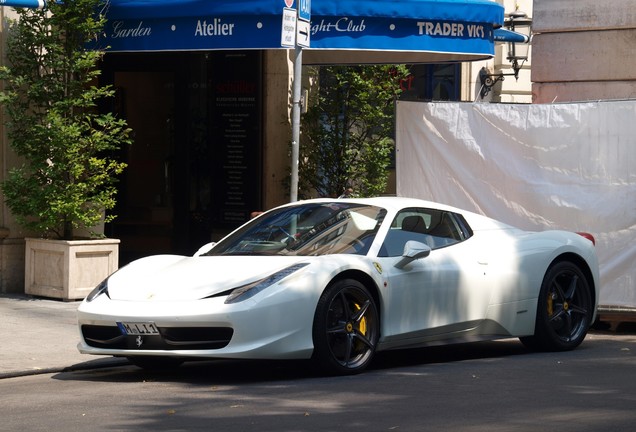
(503, 35)
(442, 10)
(36, 4)
(460, 29)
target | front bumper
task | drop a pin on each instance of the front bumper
(271, 328)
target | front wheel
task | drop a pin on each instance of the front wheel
(346, 328)
(565, 309)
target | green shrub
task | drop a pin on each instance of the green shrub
(67, 177)
(348, 130)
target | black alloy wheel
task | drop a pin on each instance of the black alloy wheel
(346, 328)
(564, 310)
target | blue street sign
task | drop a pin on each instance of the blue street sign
(304, 10)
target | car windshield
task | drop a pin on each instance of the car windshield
(306, 229)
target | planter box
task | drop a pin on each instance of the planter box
(68, 269)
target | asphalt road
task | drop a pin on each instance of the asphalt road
(492, 386)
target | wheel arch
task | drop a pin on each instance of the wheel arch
(365, 280)
(582, 264)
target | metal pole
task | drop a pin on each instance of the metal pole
(295, 151)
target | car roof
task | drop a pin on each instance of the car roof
(388, 202)
(476, 221)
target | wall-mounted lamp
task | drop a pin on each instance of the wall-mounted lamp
(517, 35)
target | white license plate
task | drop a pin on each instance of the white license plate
(138, 328)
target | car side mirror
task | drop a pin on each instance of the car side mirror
(413, 250)
(204, 249)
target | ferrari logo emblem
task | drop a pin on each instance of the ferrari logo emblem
(139, 341)
(378, 267)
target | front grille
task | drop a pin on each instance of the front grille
(196, 337)
(170, 338)
(103, 336)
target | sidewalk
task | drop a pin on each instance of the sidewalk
(40, 336)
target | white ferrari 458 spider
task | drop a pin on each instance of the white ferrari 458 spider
(337, 280)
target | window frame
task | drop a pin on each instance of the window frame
(442, 228)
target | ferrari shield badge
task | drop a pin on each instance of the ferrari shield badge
(378, 267)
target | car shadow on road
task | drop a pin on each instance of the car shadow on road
(255, 371)
(449, 353)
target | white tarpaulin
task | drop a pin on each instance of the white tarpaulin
(537, 167)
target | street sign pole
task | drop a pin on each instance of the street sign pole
(295, 150)
(304, 9)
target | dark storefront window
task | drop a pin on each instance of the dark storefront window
(194, 168)
(432, 82)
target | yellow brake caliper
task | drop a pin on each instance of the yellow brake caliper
(363, 322)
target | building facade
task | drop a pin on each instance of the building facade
(212, 126)
(583, 50)
(510, 90)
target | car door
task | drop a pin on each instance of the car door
(442, 293)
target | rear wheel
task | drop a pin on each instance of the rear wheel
(564, 311)
(346, 328)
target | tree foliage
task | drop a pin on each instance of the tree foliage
(67, 178)
(348, 130)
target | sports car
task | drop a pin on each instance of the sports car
(337, 280)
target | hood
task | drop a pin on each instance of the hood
(171, 277)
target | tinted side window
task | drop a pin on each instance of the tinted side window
(435, 228)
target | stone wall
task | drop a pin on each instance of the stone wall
(583, 50)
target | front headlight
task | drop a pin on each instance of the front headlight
(250, 290)
(100, 289)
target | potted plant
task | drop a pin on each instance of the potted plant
(66, 181)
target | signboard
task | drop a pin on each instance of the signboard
(304, 10)
(288, 30)
(463, 28)
(303, 35)
(235, 113)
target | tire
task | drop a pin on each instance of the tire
(346, 328)
(564, 310)
(155, 363)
